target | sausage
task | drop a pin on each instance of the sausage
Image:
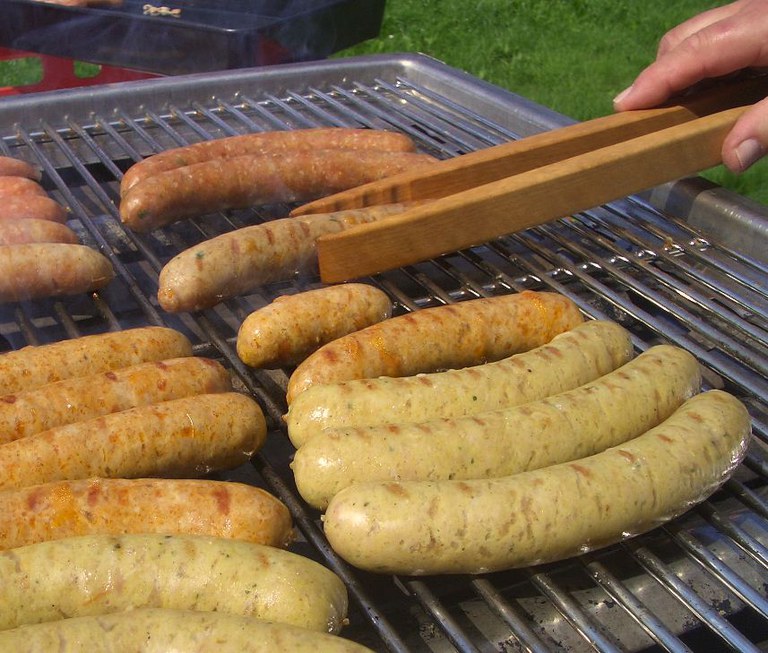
(252, 180)
(271, 142)
(11, 186)
(31, 230)
(101, 574)
(32, 206)
(286, 331)
(158, 630)
(566, 426)
(544, 515)
(118, 506)
(12, 167)
(571, 359)
(74, 400)
(240, 261)
(191, 436)
(33, 366)
(41, 270)
(455, 335)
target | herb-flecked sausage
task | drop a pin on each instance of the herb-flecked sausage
(240, 261)
(562, 427)
(158, 630)
(270, 142)
(119, 506)
(455, 335)
(544, 515)
(39, 270)
(20, 231)
(571, 359)
(253, 180)
(36, 365)
(73, 400)
(182, 437)
(100, 574)
(286, 331)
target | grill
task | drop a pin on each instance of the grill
(672, 265)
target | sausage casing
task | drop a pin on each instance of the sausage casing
(271, 142)
(158, 630)
(39, 270)
(182, 437)
(21, 231)
(100, 574)
(32, 206)
(254, 180)
(566, 426)
(12, 167)
(240, 261)
(544, 515)
(456, 335)
(286, 331)
(119, 506)
(33, 366)
(81, 398)
(569, 360)
(12, 186)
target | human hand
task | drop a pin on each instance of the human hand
(712, 44)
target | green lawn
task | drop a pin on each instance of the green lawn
(571, 55)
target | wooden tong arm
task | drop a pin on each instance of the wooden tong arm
(530, 198)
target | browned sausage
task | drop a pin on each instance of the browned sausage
(185, 437)
(20, 231)
(322, 138)
(20, 187)
(39, 270)
(112, 506)
(33, 366)
(252, 180)
(12, 167)
(240, 261)
(32, 206)
(84, 397)
(444, 337)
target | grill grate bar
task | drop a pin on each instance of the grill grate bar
(641, 613)
(683, 592)
(573, 613)
(738, 535)
(723, 572)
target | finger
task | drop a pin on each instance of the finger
(684, 30)
(747, 142)
(719, 49)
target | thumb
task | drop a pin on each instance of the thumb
(747, 142)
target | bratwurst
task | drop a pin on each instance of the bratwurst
(271, 142)
(571, 359)
(544, 515)
(254, 180)
(566, 426)
(455, 335)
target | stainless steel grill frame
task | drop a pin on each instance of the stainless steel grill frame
(650, 262)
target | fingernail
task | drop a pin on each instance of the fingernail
(622, 95)
(748, 152)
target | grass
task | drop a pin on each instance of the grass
(573, 56)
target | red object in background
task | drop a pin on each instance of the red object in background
(59, 72)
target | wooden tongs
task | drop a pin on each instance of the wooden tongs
(482, 195)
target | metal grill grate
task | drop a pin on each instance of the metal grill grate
(697, 584)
